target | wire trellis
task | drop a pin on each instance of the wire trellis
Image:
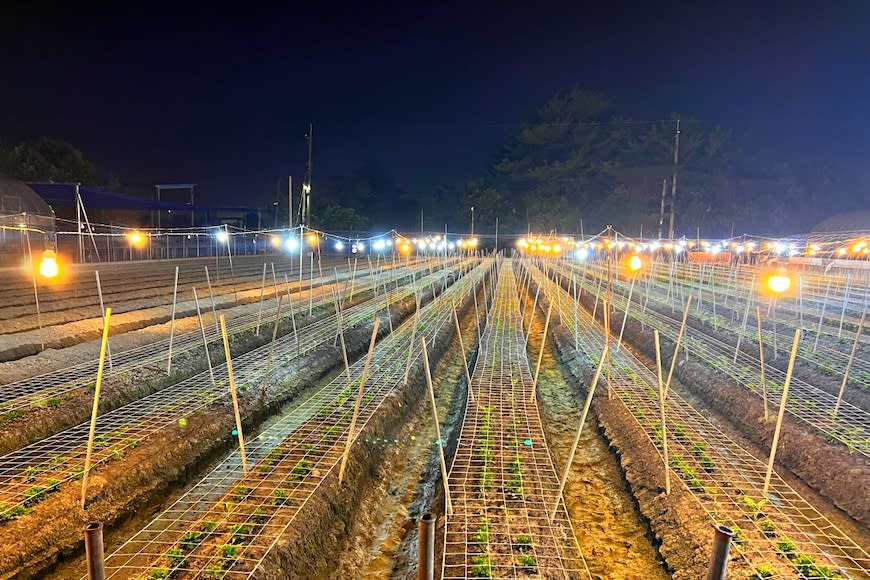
(502, 480)
(724, 479)
(226, 525)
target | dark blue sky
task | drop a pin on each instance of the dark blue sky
(222, 98)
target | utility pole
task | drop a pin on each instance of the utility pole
(306, 185)
(289, 202)
(472, 221)
(674, 179)
(662, 211)
(421, 223)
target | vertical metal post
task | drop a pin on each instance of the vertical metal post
(426, 547)
(94, 552)
(721, 548)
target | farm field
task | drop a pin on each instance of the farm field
(280, 418)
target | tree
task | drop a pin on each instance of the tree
(47, 160)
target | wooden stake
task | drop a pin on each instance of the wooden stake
(292, 315)
(761, 360)
(233, 393)
(662, 397)
(211, 297)
(543, 344)
(260, 309)
(822, 316)
(677, 345)
(340, 324)
(586, 405)
(625, 313)
(442, 461)
(849, 364)
(103, 347)
(204, 339)
(103, 310)
(172, 322)
(264, 388)
(745, 318)
(773, 445)
(358, 402)
(464, 359)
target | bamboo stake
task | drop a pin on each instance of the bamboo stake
(265, 385)
(442, 461)
(576, 322)
(773, 445)
(104, 342)
(172, 322)
(532, 315)
(583, 415)
(662, 396)
(103, 310)
(822, 316)
(411, 345)
(677, 345)
(464, 359)
(340, 324)
(745, 318)
(761, 360)
(35, 291)
(260, 308)
(204, 339)
(292, 315)
(541, 352)
(353, 278)
(605, 304)
(274, 279)
(845, 305)
(849, 363)
(625, 313)
(235, 398)
(358, 402)
(211, 297)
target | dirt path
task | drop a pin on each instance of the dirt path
(611, 532)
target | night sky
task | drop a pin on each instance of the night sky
(223, 98)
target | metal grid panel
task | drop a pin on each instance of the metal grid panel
(724, 479)
(807, 403)
(28, 474)
(502, 480)
(290, 460)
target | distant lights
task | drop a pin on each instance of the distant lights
(339, 245)
(635, 263)
(291, 243)
(378, 245)
(275, 241)
(221, 236)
